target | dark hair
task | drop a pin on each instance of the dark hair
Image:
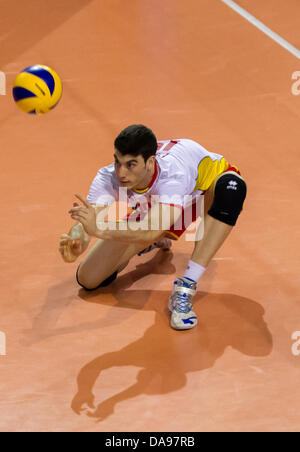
(137, 140)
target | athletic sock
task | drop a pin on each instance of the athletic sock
(194, 271)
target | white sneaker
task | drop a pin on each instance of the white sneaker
(180, 305)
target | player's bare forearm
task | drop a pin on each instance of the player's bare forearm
(161, 215)
(129, 236)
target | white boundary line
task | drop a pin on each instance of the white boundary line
(286, 45)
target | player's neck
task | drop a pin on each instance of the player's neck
(147, 181)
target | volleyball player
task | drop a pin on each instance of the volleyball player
(165, 184)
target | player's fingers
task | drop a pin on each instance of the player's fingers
(65, 241)
(75, 243)
(62, 251)
(83, 200)
(78, 209)
(65, 237)
(67, 255)
(78, 216)
(72, 243)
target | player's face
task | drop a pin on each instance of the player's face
(130, 170)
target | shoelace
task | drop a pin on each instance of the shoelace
(182, 304)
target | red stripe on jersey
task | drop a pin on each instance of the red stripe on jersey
(170, 145)
(232, 168)
(154, 175)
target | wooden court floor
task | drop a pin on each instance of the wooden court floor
(108, 360)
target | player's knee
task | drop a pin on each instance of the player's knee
(229, 196)
(89, 285)
(82, 281)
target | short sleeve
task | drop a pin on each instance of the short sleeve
(102, 189)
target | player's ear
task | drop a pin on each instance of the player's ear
(150, 161)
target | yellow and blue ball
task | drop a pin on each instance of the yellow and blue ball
(37, 89)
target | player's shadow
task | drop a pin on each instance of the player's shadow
(58, 300)
(165, 356)
(24, 24)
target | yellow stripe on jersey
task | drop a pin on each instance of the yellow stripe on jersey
(208, 170)
(172, 234)
(136, 190)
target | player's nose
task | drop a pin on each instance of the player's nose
(122, 173)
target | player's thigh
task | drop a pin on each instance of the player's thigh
(103, 259)
(208, 198)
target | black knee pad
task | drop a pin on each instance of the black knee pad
(230, 194)
(104, 283)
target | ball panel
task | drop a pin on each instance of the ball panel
(29, 104)
(34, 84)
(56, 96)
(55, 105)
(44, 74)
(20, 93)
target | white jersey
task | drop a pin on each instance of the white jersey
(184, 170)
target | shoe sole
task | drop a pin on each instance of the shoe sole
(175, 327)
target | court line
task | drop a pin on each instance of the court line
(262, 27)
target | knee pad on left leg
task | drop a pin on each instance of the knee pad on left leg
(229, 196)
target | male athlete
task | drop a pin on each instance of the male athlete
(164, 182)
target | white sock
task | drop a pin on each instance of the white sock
(194, 271)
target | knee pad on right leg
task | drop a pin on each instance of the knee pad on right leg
(104, 283)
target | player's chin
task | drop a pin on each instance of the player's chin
(127, 184)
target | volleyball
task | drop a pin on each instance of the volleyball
(37, 89)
